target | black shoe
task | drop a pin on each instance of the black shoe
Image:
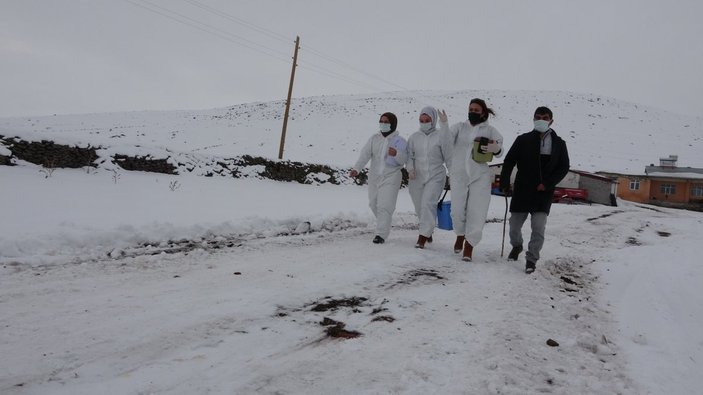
(529, 267)
(514, 253)
(378, 240)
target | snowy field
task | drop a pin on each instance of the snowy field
(154, 284)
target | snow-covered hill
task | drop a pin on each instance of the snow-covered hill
(603, 134)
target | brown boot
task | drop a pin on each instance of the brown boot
(429, 239)
(420, 242)
(468, 250)
(458, 244)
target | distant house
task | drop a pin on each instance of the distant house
(601, 189)
(664, 185)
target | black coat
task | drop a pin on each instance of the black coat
(534, 169)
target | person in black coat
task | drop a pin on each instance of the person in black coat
(542, 161)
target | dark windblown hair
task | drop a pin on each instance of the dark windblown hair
(544, 110)
(486, 110)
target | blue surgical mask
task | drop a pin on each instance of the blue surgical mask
(425, 127)
(541, 125)
(384, 127)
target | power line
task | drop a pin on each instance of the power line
(342, 63)
(186, 20)
(240, 21)
(358, 70)
(280, 37)
(313, 51)
(225, 35)
(332, 74)
(211, 29)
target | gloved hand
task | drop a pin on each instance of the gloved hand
(505, 189)
(411, 174)
(353, 173)
(442, 116)
(493, 148)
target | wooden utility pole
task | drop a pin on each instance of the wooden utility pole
(290, 93)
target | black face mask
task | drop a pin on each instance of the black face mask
(475, 118)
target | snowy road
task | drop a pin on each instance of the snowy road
(247, 319)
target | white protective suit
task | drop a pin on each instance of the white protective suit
(427, 153)
(470, 181)
(384, 176)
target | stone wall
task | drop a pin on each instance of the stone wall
(287, 170)
(143, 163)
(50, 155)
(6, 160)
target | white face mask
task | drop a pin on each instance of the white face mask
(384, 127)
(425, 127)
(541, 125)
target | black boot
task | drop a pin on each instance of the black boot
(514, 253)
(529, 267)
(378, 240)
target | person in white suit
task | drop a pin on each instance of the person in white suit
(427, 174)
(474, 143)
(387, 151)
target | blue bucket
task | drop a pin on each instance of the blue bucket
(444, 218)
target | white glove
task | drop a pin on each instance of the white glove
(493, 148)
(442, 116)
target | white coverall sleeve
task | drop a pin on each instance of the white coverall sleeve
(365, 155)
(448, 137)
(410, 164)
(402, 153)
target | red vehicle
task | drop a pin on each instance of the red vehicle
(561, 195)
(570, 195)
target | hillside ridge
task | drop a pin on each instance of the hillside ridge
(603, 134)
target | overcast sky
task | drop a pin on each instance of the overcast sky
(76, 56)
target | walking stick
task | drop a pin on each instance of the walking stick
(505, 219)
